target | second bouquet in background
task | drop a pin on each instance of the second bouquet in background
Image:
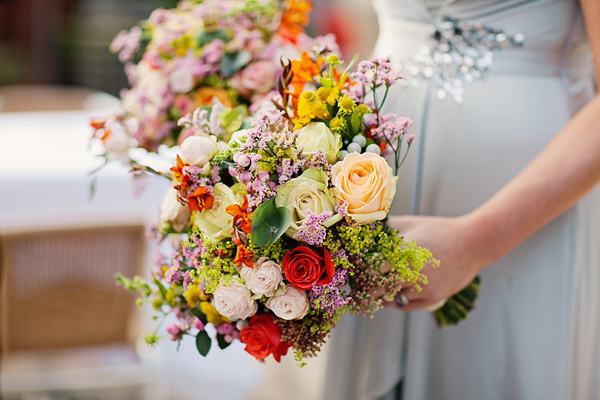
(285, 220)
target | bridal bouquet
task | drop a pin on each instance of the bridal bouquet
(284, 221)
(197, 53)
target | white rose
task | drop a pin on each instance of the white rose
(215, 222)
(171, 210)
(317, 135)
(290, 304)
(197, 150)
(236, 137)
(181, 80)
(264, 278)
(304, 195)
(234, 301)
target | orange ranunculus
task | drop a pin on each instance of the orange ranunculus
(241, 217)
(205, 96)
(244, 256)
(294, 18)
(262, 337)
(201, 199)
(304, 71)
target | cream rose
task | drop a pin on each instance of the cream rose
(197, 150)
(173, 212)
(264, 278)
(317, 135)
(306, 194)
(257, 77)
(289, 304)
(366, 182)
(234, 301)
(215, 222)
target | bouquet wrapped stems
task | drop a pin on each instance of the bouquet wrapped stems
(457, 307)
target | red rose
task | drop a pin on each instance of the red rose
(263, 337)
(304, 266)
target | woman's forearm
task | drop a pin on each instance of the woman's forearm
(567, 168)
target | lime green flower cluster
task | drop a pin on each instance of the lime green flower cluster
(212, 270)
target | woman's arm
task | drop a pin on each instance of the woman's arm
(566, 169)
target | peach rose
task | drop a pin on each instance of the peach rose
(366, 182)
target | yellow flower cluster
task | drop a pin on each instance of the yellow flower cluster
(212, 315)
(310, 107)
(193, 295)
(182, 45)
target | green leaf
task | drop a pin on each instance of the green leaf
(355, 122)
(203, 343)
(223, 344)
(231, 62)
(201, 316)
(206, 37)
(161, 288)
(269, 223)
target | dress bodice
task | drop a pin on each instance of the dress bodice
(553, 29)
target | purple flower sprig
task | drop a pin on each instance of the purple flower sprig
(312, 230)
(202, 123)
(330, 297)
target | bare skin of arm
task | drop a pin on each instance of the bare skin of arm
(566, 169)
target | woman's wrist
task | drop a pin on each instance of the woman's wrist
(485, 239)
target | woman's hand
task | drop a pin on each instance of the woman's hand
(456, 243)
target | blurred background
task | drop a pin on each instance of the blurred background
(67, 331)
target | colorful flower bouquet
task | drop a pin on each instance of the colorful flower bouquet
(200, 52)
(285, 221)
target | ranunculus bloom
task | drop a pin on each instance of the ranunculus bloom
(257, 77)
(366, 182)
(216, 222)
(197, 150)
(304, 266)
(263, 337)
(292, 303)
(317, 136)
(304, 195)
(205, 96)
(171, 210)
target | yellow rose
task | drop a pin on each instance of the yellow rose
(215, 222)
(366, 182)
(306, 194)
(317, 135)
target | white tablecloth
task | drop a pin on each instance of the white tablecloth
(44, 182)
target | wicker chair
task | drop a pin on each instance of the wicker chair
(66, 326)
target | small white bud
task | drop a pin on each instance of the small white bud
(354, 147)
(360, 140)
(373, 148)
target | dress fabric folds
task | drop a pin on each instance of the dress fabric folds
(535, 331)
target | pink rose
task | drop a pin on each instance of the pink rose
(257, 77)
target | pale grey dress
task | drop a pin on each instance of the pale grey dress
(535, 332)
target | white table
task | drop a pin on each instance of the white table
(44, 162)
